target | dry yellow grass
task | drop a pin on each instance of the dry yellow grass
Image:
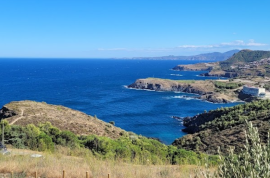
(31, 112)
(52, 165)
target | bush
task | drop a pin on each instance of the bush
(253, 161)
(129, 147)
(112, 122)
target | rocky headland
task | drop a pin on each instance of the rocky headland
(206, 89)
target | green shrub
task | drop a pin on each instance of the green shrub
(129, 147)
(253, 161)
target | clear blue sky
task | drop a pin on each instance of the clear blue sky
(131, 28)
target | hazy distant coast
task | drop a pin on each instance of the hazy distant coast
(215, 56)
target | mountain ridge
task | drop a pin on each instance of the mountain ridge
(214, 56)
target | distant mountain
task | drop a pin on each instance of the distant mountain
(215, 56)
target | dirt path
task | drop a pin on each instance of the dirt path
(17, 118)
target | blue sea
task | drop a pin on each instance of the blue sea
(98, 87)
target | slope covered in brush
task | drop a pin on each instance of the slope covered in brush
(224, 127)
(129, 147)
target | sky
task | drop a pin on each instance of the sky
(131, 28)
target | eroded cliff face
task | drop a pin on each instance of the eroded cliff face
(204, 88)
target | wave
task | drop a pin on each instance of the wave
(125, 86)
(179, 75)
(178, 92)
(181, 97)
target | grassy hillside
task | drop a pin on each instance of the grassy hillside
(224, 127)
(31, 112)
(130, 147)
(43, 127)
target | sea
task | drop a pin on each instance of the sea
(98, 87)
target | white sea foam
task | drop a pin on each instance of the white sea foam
(180, 97)
(125, 86)
(177, 96)
(177, 75)
(178, 92)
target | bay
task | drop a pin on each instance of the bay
(98, 87)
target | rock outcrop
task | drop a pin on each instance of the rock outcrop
(5, 113)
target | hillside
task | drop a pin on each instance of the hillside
(243, 57)
(31, 112)
(224, 127)
(129, 148)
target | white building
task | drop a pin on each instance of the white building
(254, 91)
